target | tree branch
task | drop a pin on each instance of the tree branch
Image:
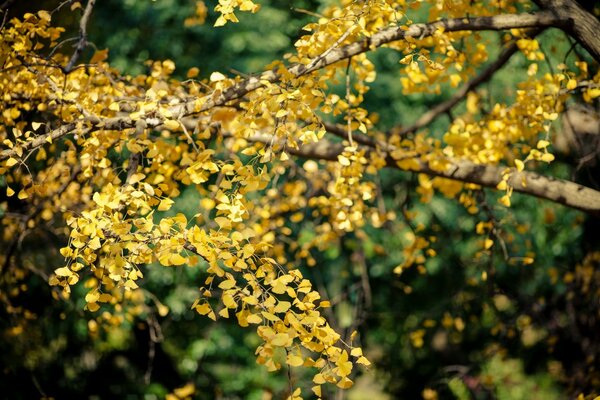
(577, 22)
(82, 43)
(560, 191)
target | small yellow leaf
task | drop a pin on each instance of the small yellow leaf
(162, 310)
(165, 204)
(217, 76)
(9, 191)
(177, 259)
(10, 162)
(171, 124)
(92, 297)
(542, 144)
(45, 15)
(94, 244)
(99, 56)
(319, 379)
(254, 319)
(220, 21)
(317, 390)
(294, 360)
(363, 360)
(520, 165)
(280, 339)
(345, 383)
(64, 271)
(224, 312)
(488, 243)
(547, 157)
(228, 284)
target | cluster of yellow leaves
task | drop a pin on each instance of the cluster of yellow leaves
(227, 7)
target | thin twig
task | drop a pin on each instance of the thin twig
(82, 43)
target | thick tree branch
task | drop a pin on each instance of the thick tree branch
(577, 22)
(560, 191)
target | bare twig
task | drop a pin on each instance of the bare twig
(82, 43)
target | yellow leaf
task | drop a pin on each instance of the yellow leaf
(505, 200)
(217, 76)
(94, 244)
(22, 195)
(363, 360)
(282, 306)
(488, 243)
(294, 360)
(171, 124)
(177, 259)
(228, 284)
(185, 391)
(319, 379)
(92, 297)
(10, 162)
(229, 301)
(317, 390)
(224, 312)
(36, 125)
(162, 310)
(203, 308)
(9, 191)
(542, 144)
(220, 21)
(165, 204)
(547, 157)
(254, 319)
(280, 339)
(520, 165)
(345, 383)
(99, 56)
(45, 15)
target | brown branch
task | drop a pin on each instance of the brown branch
(82, 43)
(6, 5)
(577, 22)
(560, 191)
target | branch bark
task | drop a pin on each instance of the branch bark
(577, 22)
(560, 191)
(82, 42)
